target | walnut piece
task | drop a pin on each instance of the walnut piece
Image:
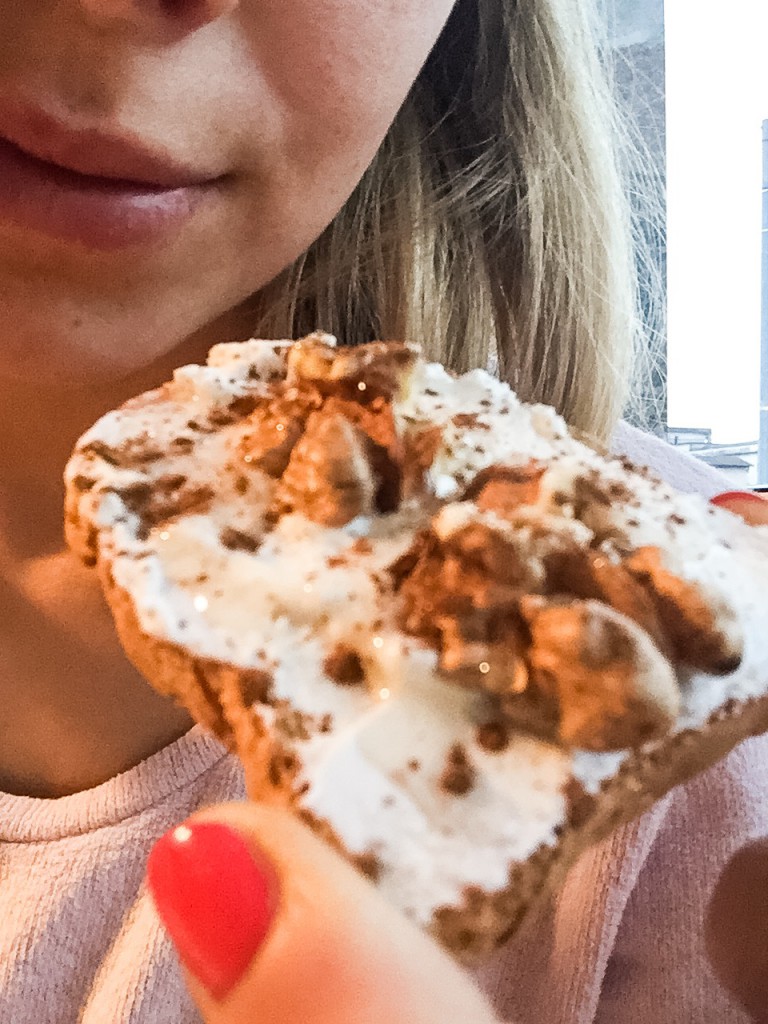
(329, 478)
(567, 643)
(463, 589)
(420, 446)
(703, 635)
(362, 372)
(328, 432)
(275, 426)
(501, 489)
(614, 688)
(588, 574)
(383, 449)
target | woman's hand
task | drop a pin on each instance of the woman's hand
(274, 928)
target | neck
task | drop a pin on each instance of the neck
(75, 712)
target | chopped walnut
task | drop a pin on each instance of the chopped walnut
(362, 372)
(384, 448)
(269, 445)
(329, 478)
(420, 446)
(587, 574)
(329, 432)
(310, 359)
(491, 659)
(275, 427)
(501, 489)
(614, 688)
(462, 592)
(701, 635)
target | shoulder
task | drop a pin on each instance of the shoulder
(676, 467)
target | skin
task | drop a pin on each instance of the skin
(284, 104)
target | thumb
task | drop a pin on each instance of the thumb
(274, 928)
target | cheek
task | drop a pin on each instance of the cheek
(357, 54)
(339, 70)
(334, 74)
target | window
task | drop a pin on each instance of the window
(710, 63)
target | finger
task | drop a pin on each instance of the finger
(275, 928)
(736, 929)
(752, 508)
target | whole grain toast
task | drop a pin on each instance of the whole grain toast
(457, 641)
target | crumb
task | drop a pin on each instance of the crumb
(238, 540)
(343, 666)
(369, 864)
(492, 737)
(458, 776)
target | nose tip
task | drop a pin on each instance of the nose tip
(184, 14)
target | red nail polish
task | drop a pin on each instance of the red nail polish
(734, 497)
(215, 898)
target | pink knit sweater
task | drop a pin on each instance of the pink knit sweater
(80, 941)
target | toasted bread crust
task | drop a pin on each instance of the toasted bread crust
(488, 919)
(212, 691)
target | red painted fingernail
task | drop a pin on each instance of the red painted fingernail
(216, 899)
(733, 497)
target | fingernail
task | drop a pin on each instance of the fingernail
(733, 497)
(216, 899)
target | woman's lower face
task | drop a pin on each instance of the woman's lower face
(159, 163)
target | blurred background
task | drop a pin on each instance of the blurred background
(695, 79)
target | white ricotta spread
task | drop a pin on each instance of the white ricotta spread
(306, 588)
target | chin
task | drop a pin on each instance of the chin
(61, 348)
(61, 338)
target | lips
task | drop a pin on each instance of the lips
(94, 186)
(101, 152)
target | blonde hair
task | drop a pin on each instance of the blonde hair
(493, 225)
